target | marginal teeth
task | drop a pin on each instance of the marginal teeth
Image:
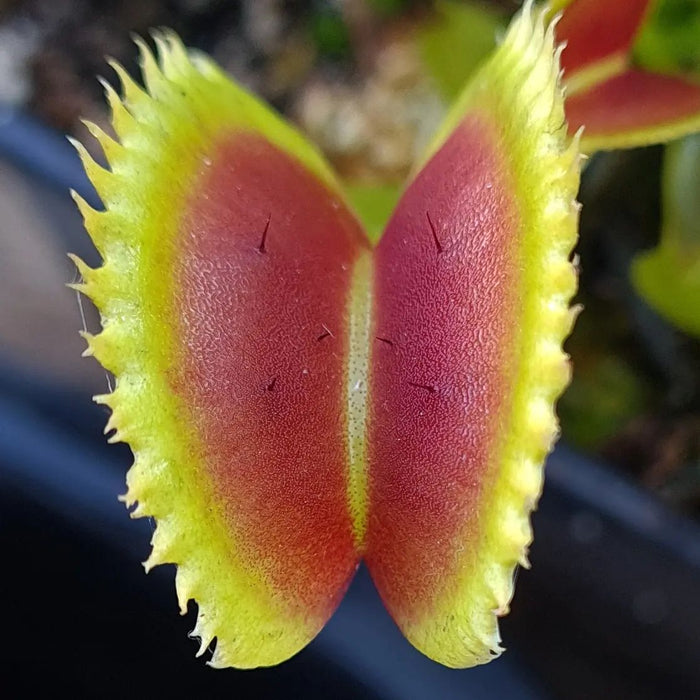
(516, 529)
(185, 585)
(132, 91)
(109, 146)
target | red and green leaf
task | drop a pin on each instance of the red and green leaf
(228, 254)
(456, 40)
(296, 399)
(635, 108)
(618, 104)
(598, 33)
(471, 307)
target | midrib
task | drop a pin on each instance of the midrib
(359, 344)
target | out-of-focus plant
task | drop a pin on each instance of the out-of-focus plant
(456, 39)
(670, 39)
(373, 204)
(387, 7)
(668, 277)
(329, 32)
(619, 104)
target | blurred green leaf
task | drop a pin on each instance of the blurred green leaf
(373, 204)
(457, 40)
(670, 38)
(329, 32)
(607, 389)
(605, 395)
(387, 7)
(668, 276)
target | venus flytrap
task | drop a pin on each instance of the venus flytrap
(298, 399)
(620, 104)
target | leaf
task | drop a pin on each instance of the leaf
(456, 41)
(373, 204)
(296, 400)
(619, 105)
(668, 277)
(669, 41)
(634, 108)
(472, 294)
(228, 255)
(599, 35)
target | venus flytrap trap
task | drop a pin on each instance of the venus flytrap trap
(297, 399)
(620, 104)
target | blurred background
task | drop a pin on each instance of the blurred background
(611, 607)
